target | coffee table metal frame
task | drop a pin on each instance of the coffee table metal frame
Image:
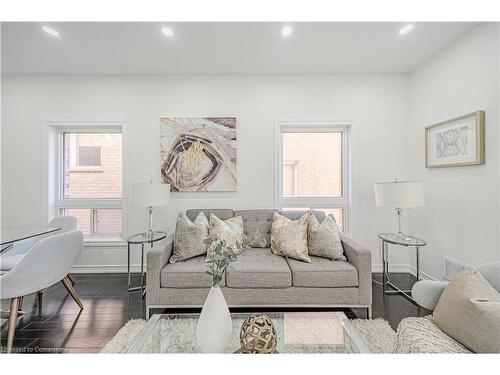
(355, 343)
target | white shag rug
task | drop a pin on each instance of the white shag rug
(176, 333)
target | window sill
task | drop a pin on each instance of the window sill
(104, 242)
(77, 169)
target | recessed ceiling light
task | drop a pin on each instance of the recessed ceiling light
(406, 29)
(167, 31)
(51, 31)
(286, 31)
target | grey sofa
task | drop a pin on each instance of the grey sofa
(260, 278)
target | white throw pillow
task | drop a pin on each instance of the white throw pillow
(323, 240)
(230, 231)
(469, 311)
(189, 237)
(289, 237)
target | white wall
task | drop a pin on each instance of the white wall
(461, 217)
(377, 104)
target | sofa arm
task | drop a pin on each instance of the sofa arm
(157, 258)
(427, 293)
(361, 258)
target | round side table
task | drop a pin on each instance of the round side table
(398, 239)
(141, 239)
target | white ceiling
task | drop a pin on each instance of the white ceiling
(221, 48)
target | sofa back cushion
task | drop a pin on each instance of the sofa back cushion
(296, 215)
(221, 213)
(257, 224)
(253, 220)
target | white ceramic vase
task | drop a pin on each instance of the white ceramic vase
(214, 326)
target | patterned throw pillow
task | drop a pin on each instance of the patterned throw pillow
(323, 240)
(289, 237)
(189, 236)
(230, 230)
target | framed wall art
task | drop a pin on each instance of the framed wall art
(198, 154)
(456, 142)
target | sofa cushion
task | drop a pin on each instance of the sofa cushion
(257, 224)
(323, 239)
(289, 237)
(189, 237)
(295, 215)
(189, 273)
(230, 231)
(221, 213)
(259, 268)
(323, 273)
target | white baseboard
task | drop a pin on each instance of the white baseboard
(102, 268)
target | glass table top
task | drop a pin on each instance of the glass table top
(402, 239)
(145, 238)
(14, 234)
(297, 332)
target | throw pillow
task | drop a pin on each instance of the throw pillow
(189, 236)
(289, 237)
(469, 311)
(323, 240)
(230, 230)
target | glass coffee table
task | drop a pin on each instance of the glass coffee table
(297, 332)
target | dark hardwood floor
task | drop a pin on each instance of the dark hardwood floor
(60, 327)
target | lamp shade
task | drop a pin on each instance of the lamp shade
(399, 194)
(149, 194)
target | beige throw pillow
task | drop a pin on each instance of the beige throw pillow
(323, 240)
(469, 311)
(230, 230)
(189, 237)
(289, 237)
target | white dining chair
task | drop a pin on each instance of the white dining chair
(45, 264)
(19, 249)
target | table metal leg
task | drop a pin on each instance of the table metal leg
(382, 247)
(128, 264)
(142, 267)
(418, 263)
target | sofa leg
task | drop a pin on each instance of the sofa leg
(147, 312)
(369, 312)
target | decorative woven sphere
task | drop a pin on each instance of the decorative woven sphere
(258, 335)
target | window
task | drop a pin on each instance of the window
(89, 156)
(89, 179)
(312, 168)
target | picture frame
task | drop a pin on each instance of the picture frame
(457, 142)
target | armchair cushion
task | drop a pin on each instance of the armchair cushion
(469, 311)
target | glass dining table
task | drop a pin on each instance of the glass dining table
(10, 235)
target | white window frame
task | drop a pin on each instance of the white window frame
(53, 172)
(308, 126)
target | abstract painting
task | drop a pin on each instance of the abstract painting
(198, 154)
(455, 142)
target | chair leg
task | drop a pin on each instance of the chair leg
(21, 300)
(39, 296)
(72, 291)
(71, 279)
(369, 312)
(14, 306)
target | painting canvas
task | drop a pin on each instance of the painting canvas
(198, 154)
(455, 142)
